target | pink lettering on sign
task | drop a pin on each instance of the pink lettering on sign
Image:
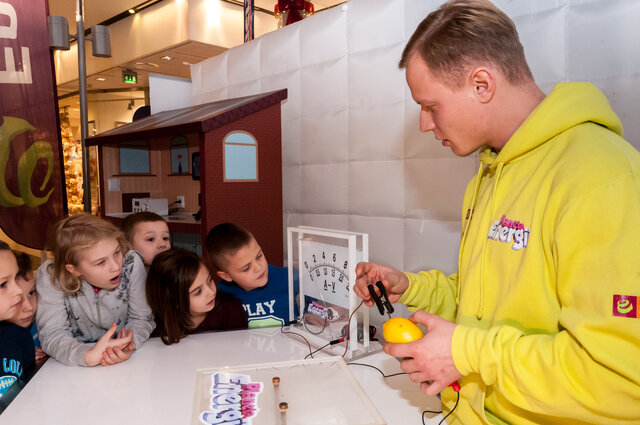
(234, 400)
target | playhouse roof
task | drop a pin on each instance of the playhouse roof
(200, 118)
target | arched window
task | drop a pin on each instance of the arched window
(240, 157)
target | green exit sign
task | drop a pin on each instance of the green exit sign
(130, 77)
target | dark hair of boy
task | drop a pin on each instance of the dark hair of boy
(170, 276)
(4, 246)
(128, 225)
(225, 240)
(24, 264)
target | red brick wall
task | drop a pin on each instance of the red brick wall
(256, 206)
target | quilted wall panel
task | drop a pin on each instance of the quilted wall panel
(353, 156)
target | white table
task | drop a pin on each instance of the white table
(156, 385)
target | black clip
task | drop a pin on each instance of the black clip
(382, 300)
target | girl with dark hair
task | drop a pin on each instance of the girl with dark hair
(184, 299)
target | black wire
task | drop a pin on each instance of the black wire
(448, 414)
(454, 408)
(304, 322)
(404, 373)
(371, 366)
(313, 352)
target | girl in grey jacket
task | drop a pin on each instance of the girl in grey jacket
(91, 291)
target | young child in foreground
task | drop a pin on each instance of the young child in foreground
(148, 233)
(16, 345)
(262, 288)
(183, 297)
(25, 315)
(91, 291)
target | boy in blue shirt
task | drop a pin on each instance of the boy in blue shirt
(262, 288)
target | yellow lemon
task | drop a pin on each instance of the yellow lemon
(399, 329)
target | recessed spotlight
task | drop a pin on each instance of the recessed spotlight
(155, 65)
(132, 11)
(166, 58)
(100, 79)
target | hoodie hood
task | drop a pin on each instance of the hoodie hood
(568, 105)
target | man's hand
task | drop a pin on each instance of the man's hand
(395, 281)
(93, 356)
(428, 360)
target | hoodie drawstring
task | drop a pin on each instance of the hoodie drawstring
(480, 312)
(467, 222)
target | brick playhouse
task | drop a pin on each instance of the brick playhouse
(239, 143)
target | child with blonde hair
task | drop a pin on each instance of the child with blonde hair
(92, 306)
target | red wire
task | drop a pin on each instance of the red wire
(349, 329)
(295, 333)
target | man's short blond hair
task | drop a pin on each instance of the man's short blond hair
(462, 34)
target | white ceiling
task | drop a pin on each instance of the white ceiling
(96, 11)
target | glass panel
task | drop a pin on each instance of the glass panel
(240, 162)
(134, 158)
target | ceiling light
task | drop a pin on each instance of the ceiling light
(132, 11)
(139, 63)
(155, 65)
(100, 79)
(166, 58)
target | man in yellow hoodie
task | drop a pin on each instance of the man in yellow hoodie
(541, 324)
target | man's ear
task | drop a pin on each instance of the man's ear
(224, 276)
(483, 82)
(73, 270)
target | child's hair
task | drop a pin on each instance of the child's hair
(171, 274)
(223, 240)
(4, 246)
(24, 264)
(129, 224)
(71, 236)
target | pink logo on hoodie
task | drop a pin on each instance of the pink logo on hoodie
(508, 231)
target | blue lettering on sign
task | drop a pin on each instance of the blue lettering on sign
(12, 366)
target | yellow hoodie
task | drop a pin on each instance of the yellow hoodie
(550, 242)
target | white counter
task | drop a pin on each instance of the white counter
(156, 385)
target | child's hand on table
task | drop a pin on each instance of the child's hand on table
(113, 355)
(123, 341)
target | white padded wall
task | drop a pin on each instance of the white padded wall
(169, 93)
(604, 48)
(353, 155)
